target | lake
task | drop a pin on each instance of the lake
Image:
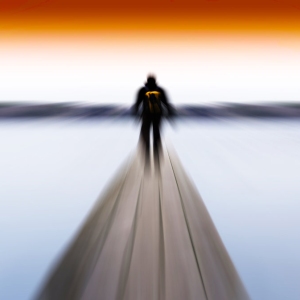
(247, 172)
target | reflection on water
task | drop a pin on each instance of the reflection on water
(246, 172)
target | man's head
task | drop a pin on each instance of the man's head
(151, 81)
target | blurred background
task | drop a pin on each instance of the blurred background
(69, 73)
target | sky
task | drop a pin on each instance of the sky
(201, 51)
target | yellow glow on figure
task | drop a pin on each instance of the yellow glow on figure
(154, 105)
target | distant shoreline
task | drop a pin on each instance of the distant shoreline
(72, 110)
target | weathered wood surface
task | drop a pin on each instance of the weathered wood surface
(149, 236)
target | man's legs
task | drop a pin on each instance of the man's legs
(145, 136)
(156, 136)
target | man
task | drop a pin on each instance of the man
(155, 105)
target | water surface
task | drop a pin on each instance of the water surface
(247, 172)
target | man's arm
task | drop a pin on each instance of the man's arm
(138, 101)
(167, 104)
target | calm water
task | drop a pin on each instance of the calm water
(248, 173)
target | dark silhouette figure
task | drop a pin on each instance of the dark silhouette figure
(154, 106)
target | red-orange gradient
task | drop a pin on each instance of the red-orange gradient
(219, 15)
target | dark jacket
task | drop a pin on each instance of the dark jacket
(154, 102)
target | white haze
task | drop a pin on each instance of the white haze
(108, 72)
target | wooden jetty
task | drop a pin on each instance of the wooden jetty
(149, 236)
